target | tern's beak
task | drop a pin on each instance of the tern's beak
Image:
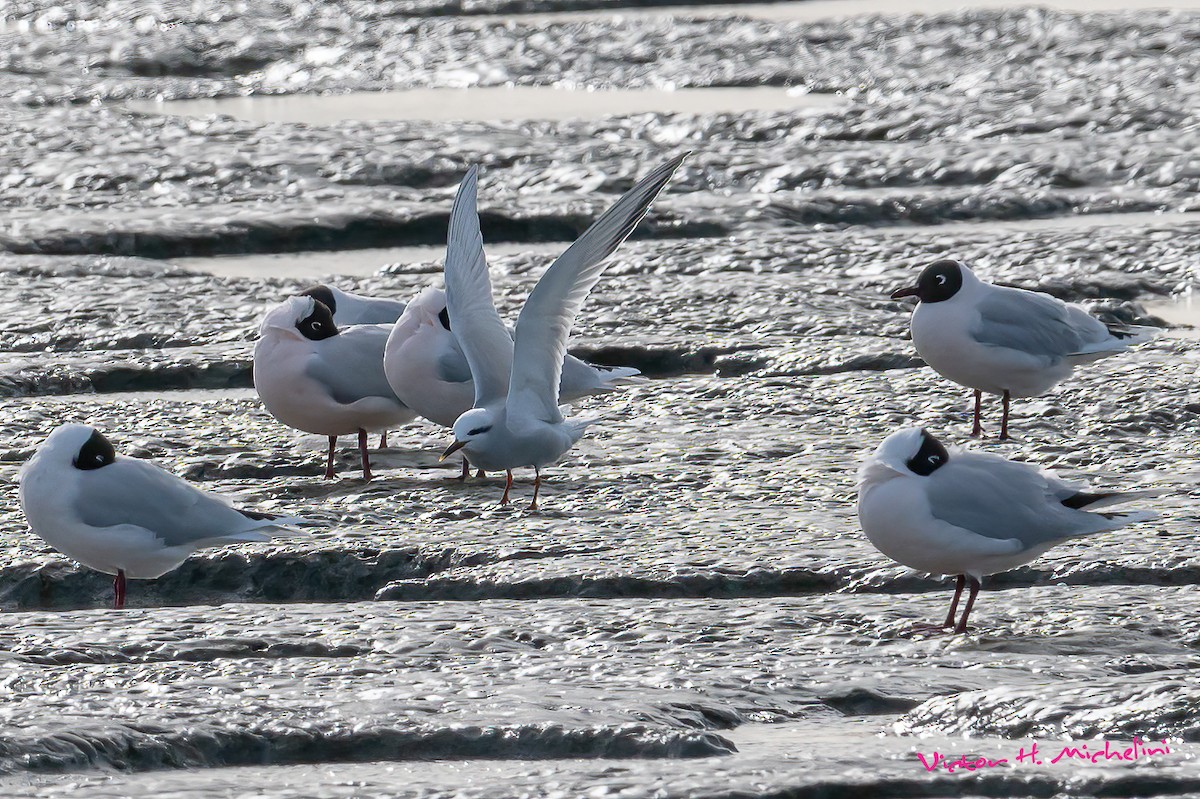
(910, 291)
(450, 450)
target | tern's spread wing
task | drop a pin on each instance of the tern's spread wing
(350, 364)
(549, 313)
(130, 491)
(1003, 499)
(473, 318)
(1036, 324)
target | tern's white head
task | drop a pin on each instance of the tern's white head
(472, 427)
(300, 317)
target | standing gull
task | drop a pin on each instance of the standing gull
(356, 309)
(516, 420)
(322, 379)
(124, 516)
(972, 514)
(1005, 341)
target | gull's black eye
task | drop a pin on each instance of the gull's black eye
(479, 430)
(941, 279)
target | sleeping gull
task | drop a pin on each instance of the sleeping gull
(322, 379)
(356, 309)
(1005, 341)
(516, 420)
(124, 516)
(429, 373)
(972, 514)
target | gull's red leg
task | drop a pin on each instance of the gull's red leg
(962, 580)
(329, 462)
(119, 590)
(383, 440)
(977, 429)
(507, 486)
(481, 474)
(362, 451)
(466, 472)
(1004, 419)
(537, 484)
(962, 624)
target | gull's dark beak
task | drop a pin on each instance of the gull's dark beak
(450, 450)
(910, 291)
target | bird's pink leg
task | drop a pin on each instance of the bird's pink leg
(962, 580)
(383, 440)
(362, 451)
(977, 429)
(962, 624)
(481, 474)
(1004, 419)
(466, 472)
(329, 473)
(119, 590)
(537, 484)
(508, 485)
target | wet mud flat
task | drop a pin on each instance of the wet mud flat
(694, 611)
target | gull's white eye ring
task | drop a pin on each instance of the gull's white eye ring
(941, 279)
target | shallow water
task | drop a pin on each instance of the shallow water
(500, 103)
(693, 612)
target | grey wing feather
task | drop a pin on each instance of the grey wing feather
(1003, 499)
(130, 491)
(546, 319)
(378, 312)
(350, 364)
(477, 327)
(1036, 324)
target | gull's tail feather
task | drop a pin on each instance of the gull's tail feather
(1123, 518)
(1084, 500)
(1122, 337)
(269, 521)
(1133, 334)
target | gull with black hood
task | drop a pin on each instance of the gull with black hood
(971, 514)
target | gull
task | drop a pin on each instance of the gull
(1005, 341)
(516, 420)
(972, 514)
(355, 309)
(427, 369)
(124, 516)
(322, 379)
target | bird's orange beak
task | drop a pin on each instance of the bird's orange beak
(450, 450)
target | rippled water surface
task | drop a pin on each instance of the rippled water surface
(693, 611)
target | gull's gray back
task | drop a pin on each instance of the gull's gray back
(350, 364)
(1036, 324)
(135, 492)
(1002, 499)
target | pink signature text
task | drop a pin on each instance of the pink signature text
(1034, 756)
